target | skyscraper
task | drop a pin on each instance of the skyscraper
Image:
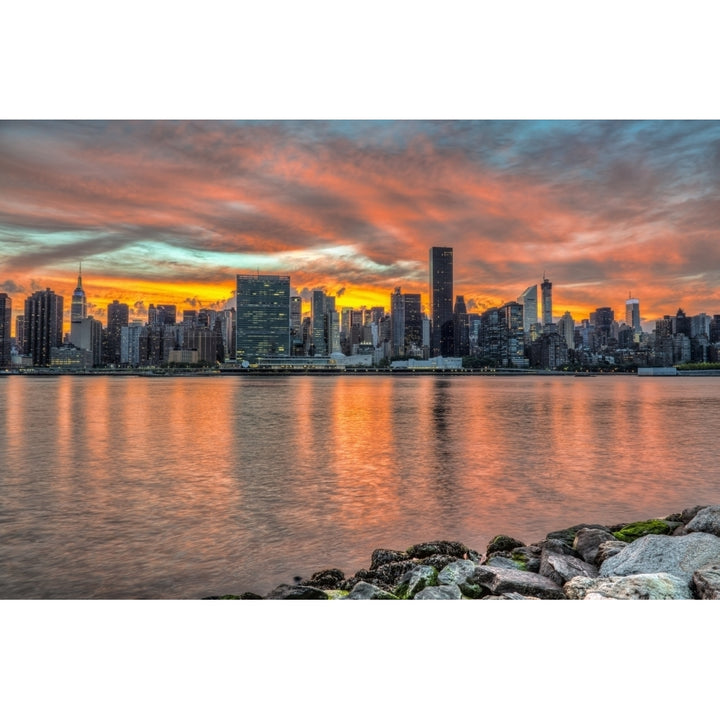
(318, 344)
(546, 290)
(529, 302)
(78, 306)
(413, 321)
(441, 301)
(461, 327)
(43, 325)
(397, 323)
(118, 316)
(5, 328)
(263, 316)
(632, 313)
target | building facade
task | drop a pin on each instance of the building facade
(5, 329)
(262, 316)
(441, 301)
(43, 325)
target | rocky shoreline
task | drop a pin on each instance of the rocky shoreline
(672, 558)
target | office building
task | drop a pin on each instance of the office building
(461, 328)
(546, 294)
(162, 314)
(413, 322)
(566, 329)
(5, 329)
(397, 324)
(262, 316)
(529, 300)
(632, 313)
(441, 301)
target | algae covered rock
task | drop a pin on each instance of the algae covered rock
(367, 591)
(439, 592)
(503, 543)
(326, 579)
(415, 580)
(457, 572)
(296, 592)
(633, 531)
(438, 547)
(383, 557)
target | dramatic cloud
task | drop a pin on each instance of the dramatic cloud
(170, 212)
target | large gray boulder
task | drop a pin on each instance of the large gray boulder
(504, 580)
(706, 582)
(649, 586)
(609, 549)
(561, 568)
(679, 556)
(588, 541)
(440, 592)
(706, 520)
(503, 560)
(457, 572)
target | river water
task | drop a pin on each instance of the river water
(142, 487)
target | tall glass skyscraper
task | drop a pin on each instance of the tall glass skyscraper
(441, 301)
(262, 316)
(78, 306)
(529, 302)
(632, 313)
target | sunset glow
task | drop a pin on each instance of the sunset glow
(170, 212)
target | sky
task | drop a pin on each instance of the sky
(170, 211)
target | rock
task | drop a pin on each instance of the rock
(442, 592)
(510, 596)
(456, 572)
(296, 592)
(472, 590)
(527, 558)
(608, 549)
(706, 581)
(383, 557)
(679, 556)
(568, 535)
(561, 568)
(648, 586)
(689, 513)
(502, 543)
(385, 576)
(250, 596)
(560, 547)
(503, 560)
(326, 579)
(633, 531)
(415, 580)
(588, 540)
(706, 520)
(438, 561)
(366, 591)
(504, 580)
(438, 547)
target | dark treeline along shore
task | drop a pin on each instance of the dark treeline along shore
(672, 558)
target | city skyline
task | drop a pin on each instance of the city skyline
(168, 212)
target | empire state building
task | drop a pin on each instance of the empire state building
(78, 307)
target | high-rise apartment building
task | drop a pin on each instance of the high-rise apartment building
(318, 343)
(441, 301)
(546, 294)
(262, 316)
(529, 300)
(5, 329)
(43, 325)
(118, 317)
(632, 313)
(566, 329)
(461, 328)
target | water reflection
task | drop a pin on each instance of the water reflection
(171, 487)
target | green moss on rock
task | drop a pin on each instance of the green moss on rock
(636, 530)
